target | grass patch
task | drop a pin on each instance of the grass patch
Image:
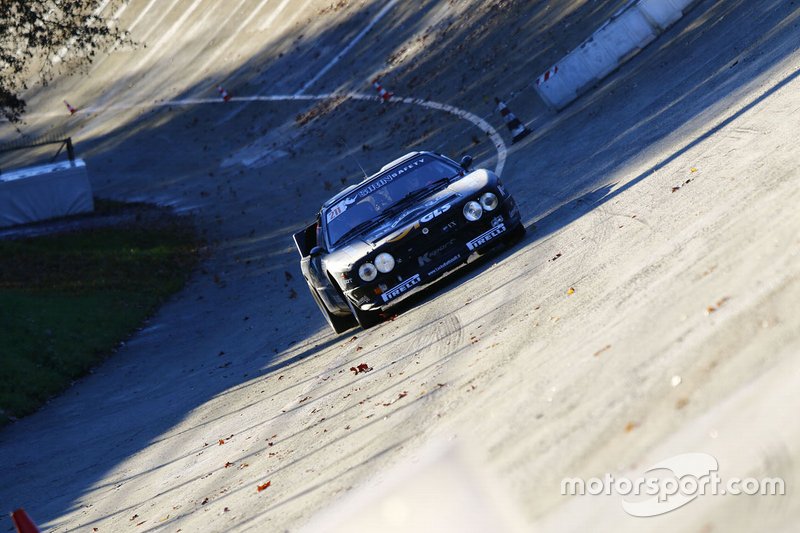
(67, 300)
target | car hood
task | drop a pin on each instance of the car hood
(453, 196)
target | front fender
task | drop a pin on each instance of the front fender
(313, 272)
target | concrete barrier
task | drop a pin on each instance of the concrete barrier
(42, 192)
(620, 38)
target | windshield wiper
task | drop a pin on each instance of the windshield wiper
(362, 227)
(417, 194)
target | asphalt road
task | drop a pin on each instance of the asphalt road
(651, 311)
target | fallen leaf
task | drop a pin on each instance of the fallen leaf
(205, 501)
(304, 399)
(570, 291)
(693, 170)
(288, 276)
(264, 486)
(681, 403)
(601, 350)
(228, 464)
(399, 397)
(363, 367)
(630, 426)
(221, 442)
(675, 189)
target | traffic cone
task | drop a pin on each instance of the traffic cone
(383, 93)
(223, 93)
(23, 522)
(518, 129)
(71, 109)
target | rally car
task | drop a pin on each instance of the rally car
(418, 218)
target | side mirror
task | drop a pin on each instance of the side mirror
(317, 251)
(466, 162)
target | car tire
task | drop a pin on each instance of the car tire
(365, 319)
(339, 324)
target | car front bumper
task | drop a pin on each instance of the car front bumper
(424, 263)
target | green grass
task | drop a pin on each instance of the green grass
(66, 301)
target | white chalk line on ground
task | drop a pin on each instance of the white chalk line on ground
(324, 70)
(497, 140)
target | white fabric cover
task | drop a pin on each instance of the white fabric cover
(42, 192)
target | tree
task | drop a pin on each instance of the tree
(41, 39)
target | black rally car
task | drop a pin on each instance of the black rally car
(420, 217)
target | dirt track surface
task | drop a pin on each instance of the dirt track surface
(666, 200)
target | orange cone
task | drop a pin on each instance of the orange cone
(383, 93)
(23, 522)
(223, 93)
(71, 109)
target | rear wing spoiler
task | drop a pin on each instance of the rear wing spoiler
(306, 239)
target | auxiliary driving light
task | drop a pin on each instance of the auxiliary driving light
(472, 211)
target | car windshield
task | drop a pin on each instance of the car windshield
(353, 213)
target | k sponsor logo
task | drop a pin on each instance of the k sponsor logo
(430, 255)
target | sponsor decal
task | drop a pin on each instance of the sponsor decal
(435, 213)
(496, 221)
(340, 208)
(402, 288)
(336, 210)
(449, 226)
(389, 177)
(429, 256)
(444, 265)
(486, 237)
(425, 218)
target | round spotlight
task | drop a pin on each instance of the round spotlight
(489, 201)
(384, 262)
(367, 272)
(472, 211)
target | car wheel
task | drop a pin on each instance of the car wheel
(339, 324)
(365, 319)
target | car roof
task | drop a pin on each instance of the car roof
(368, 179)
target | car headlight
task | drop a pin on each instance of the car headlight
(367, 272)
(472, 211)
(384, 262)
(489, 201)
